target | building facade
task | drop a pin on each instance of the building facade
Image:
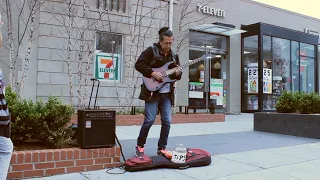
(249, 52)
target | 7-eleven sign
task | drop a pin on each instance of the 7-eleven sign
(107, 68)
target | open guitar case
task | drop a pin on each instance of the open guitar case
(194, 158)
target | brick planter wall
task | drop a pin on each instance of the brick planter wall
(129, 120)
(40, 163)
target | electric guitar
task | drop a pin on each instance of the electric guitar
(153, 84)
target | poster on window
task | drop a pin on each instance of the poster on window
(196, 90)
(267, 81)
(216, 90)
(252, 80)
(107, 66)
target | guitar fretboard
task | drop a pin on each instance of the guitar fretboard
(173, 70)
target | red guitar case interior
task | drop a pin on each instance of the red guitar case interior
(195, 158)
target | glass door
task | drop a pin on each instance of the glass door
(218, 82)
(197, 79)
(207, 81)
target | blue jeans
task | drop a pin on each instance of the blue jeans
(6, 148)
(151, 108)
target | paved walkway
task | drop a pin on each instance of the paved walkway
(238, 153)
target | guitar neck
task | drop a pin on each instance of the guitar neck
(171, 71)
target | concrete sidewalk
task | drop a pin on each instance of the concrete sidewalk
(237, 151)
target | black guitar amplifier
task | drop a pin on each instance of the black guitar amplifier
(96, 128)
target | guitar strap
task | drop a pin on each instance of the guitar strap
(155, 50)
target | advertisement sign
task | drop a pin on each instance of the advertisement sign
(106, 68)
(252, 80)
(216, 90)
(196, 90)
(267, 81)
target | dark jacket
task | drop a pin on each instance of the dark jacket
(149, 60)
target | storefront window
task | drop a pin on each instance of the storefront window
(281, 65)
(218, 82)
(307, 50)
(196, 79)
(268, 101)
(295, 66)
(250, 72)
(281, 62)
(307, 80)
(207, 40)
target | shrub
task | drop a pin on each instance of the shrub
(308, 103)
(41, 122)
(287, 103)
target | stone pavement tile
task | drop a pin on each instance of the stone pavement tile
(260, 158)
(71, 176)
(258, 175)
(297, 151)
(312, 145)
(186, 131)
(304, 171)
(158, 174)
(218, 168)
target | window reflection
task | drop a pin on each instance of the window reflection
(268, 102)
(307, 74)
(207, 40)
(281, 65)
(307, 50)
(250, 72)
(295, 66)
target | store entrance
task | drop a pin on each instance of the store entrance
(207, 80)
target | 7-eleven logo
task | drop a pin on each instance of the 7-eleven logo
(106, 67)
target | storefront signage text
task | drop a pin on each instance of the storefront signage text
(312, 31)
(211, 11)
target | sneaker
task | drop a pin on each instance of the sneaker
(165, 153)
(139, 151)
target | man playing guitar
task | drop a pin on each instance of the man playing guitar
(154, 57)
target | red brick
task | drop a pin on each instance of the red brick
(118, 151)
(13, 158)
(89, 153)
(20, 157)
(34, 173)
(102, 160)
(112, 165)
(70, 154)
(63, 155)
(12, 175)
(101, 152)
(28, 157)
(49, 155)
(76, 169)
(112, 152)
(22, 167)
(42, 156)
(35, 156)
(76, 154)
(116, 159)
(83, 154)
(95, 153)
(106, 152)
(65, 163)
(56, 155)
(55, 171)
(80, 162)
(45, 165)
(94, 167)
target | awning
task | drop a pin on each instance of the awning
(218, 28)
